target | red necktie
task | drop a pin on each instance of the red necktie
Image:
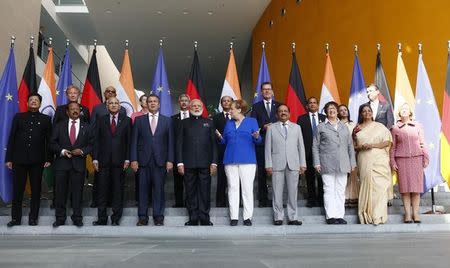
(73, 133)
(113, 124)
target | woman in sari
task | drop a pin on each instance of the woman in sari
(372, 142)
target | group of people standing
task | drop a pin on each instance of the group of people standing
(340, 159)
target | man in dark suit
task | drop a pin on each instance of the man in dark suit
(308, 122)
(27, 154)
(183, 101)
(71, 141)
(197, 161)
(382, 111)
(111, 159)
(73, 94)
(220, 120)
(265, 113)
(152, 155)
(99, 111)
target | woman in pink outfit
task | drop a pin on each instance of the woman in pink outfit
(409, 157)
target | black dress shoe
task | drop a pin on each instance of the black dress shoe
(159, 222)
(295, 222)
(13, 223)
(32, 222)
(340, 221)
(233, 222)
(248, 222)
(408, 221)
(142, 223)
(78, 223)
(311, 203)
(115, 223)
(331, 221)
(206, 223)
(99, 222)
(417, 221)
(58, 223)
(191, 223)
(93, 205)
(277, 222)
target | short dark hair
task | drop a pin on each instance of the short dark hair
(360, 119)
(155, 96)
(348, 117)
(310, 98)
(34, 94)
(283, 104)
(328, 104)
(266, 83)
(241, 104)
(72, 102)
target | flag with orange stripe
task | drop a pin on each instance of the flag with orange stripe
(231, 84)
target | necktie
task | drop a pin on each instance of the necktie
(73, 133)
(268, 108)
(153, 124)
(314, 124)
(285, 130)
(227, 116)
(113, 124)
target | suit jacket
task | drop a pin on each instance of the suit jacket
(60, 140)
(101, 110)
(333, 149)
(282, 151)
(29, 139)
(112, 149)
(146, 147)
(305, 123)
(61, 114)
(196, 143)
(384, 115)
(176, 124)
(260, 113)
(219, 123)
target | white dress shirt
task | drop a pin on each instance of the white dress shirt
(374, 106)
(315, 117)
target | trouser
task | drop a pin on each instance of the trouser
(197, 183)
(244, 175)
(178, 188)
(279, 178)
(221, 196)
(262, 175)
(334, 194)
(110, 178)
(315, 193)
(20, 175)
(151, 178)
(64, 178)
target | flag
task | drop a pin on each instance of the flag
(160, 86)
(28, 84)
(47, 87)
(263, 76)
(295, 96)
(92, 93)
(427, 114)
(403, 89)
(358, 94)
(329, 87)
(125, 89)
(65, 80)
(231, 84)
(194, 88)
(445, 135)
(380, 81)
(8, 108)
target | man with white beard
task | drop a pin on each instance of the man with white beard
(196, 151)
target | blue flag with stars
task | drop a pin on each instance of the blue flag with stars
(8, 108)
(65, 80)
(263, 76)
(358, 94)
(160, 86)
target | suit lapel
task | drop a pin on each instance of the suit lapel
(380, 107)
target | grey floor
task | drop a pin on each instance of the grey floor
(351, 250)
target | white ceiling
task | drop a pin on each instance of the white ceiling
(213, 23)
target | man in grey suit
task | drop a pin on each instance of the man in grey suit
(382, 111)
(285, 160)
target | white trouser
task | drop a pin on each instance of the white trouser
(334, 194)
(245, 174)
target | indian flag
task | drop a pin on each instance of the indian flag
(403, 90)
(125, 90)
(231, 84)
(47, 88)
(329, 87)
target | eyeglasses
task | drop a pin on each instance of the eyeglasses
(110, 91)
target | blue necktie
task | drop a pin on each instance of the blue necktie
(314, 124)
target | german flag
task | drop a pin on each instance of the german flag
(445, 134)
(295, 96)
(195, 88)
(28, 83)
(92, 93)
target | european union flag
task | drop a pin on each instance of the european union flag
(358, 94)
(65, 80)
(160, 86)
(8, 108)
(263, 76)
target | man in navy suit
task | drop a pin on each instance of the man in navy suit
(111, 159)
(71, 142)
(265, 113)
(152, 155)
(382, 111)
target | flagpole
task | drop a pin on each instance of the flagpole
(160, 43)
(67, 43)
(31, 41)
(126, 43)
(379, 47)
(195, 45)
(327, 48)
(95, 44)
(356, 49)
(399, 47)
(50, 40)
(293, 47)
(13, 39)
(263, 44)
